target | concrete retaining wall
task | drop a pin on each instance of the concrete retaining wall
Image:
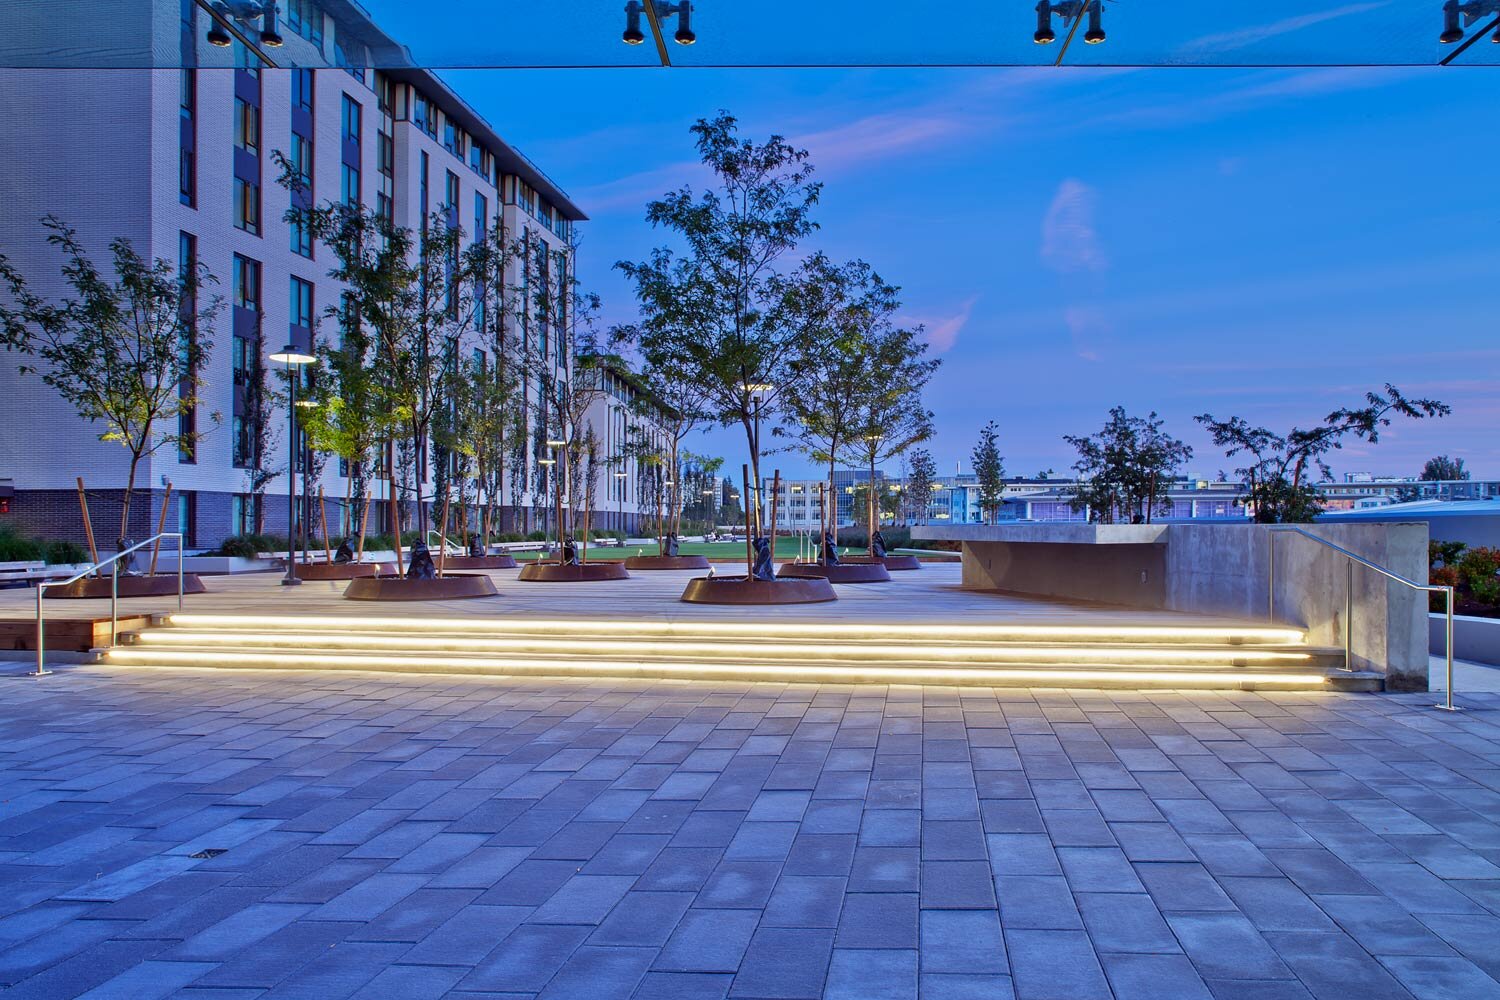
(1223, 569)
(1474, 639)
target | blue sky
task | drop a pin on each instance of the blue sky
(1268, 243)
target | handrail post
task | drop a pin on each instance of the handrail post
(114, 599)
(41, 635)
(1448, 700)
(181, 558)
(1349, 613)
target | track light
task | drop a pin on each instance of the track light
(218, 37)
(269, 36)
(1458, 16)
(1070, 10)
(683, 11)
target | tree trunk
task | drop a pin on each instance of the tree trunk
(135, 460)
(870, 508)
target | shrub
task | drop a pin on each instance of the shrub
(64, 553)
(1442, 576)
(16, 547)
(896, 537)
(537, 536)
(1479, 570)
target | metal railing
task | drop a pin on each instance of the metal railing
(113, 562)
(445, 543)
(1351, 558)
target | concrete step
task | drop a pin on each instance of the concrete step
(1024, 674)
(759, 631)
(778, 650)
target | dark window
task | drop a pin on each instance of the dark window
(351, 116)
(386, 154)
(187, 167)
(187, 417)
(301, 312)
(246, 125)
(247, 206)
(302, 89)
(349, 189)
(247, 283)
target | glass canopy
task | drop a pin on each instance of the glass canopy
(501, 34)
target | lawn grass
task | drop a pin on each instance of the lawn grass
(786, 548)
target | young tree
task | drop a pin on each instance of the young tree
(1125, 471)
(920, 479)
(126, 349)
(723, 308)
(989, 468)
(1443, 469)
(1279, 466)
(888, 413)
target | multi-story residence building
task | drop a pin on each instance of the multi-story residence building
(184, 163)
(622, 416)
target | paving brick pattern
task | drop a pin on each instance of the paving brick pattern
(410, 837)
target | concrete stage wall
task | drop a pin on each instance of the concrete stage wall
(1222, 569)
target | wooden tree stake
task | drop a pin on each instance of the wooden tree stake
(88, 526)
(161, 525)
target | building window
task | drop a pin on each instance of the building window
(301, 312)
(302, 165)
(304, 17)
(246, 125)
(351, 122)
(385, 148)
(450, 199)
(187, 167)
(247, 283)
(187, 516)
(425, 162)
(242, 443)
(349, 186)
(242, 514)
(302, 89)
(247, 206)
(385, 208)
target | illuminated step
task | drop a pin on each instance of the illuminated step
(1153, 676)
(738, 651)
(879, 631)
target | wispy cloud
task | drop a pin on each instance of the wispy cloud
(1070, 241)
(1091, 330)
(1242, 37)
(943, 329)
(1264, 87)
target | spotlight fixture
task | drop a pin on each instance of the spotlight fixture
(1457, 16)
(683, 11)
(218, 37)
(1070, 10)
(269, 36)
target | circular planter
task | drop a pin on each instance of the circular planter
(843, 572)
(551, 572)
(343, 571)
(500, 560)
(160, 585)
(890, 562)
(398, 588)
(667, 562)
(747, 590)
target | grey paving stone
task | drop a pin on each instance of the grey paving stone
(683, 986)
(642, 919)
(709, 941)
(467, 936)
(872, 975)
(784, 962)
(885, 869)
(527, 959)
(1125, 922)
(150, 980)
(806, 901)
(1098, 869)
(962, 941)
(1275, 904)
(878, 920)
(1037, 902)
(957, 885)
(959, 986)
(1441, 978)
(1226, 946)
(1149, 977)
(1176, 886)
(1055, 965)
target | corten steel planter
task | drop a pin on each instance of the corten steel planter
(452, 587)
(890, 562)
(551, 572)
(667, 562)
(747, 590)
(842, 572)
(160, 585)
(343, 571)
(499, 560)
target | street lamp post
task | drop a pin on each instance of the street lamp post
(620, 478)
(294, 358)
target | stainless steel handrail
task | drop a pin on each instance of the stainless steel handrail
(114, 593)
(1352, 558)
(447, 542)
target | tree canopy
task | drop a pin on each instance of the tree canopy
(1126, 470)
